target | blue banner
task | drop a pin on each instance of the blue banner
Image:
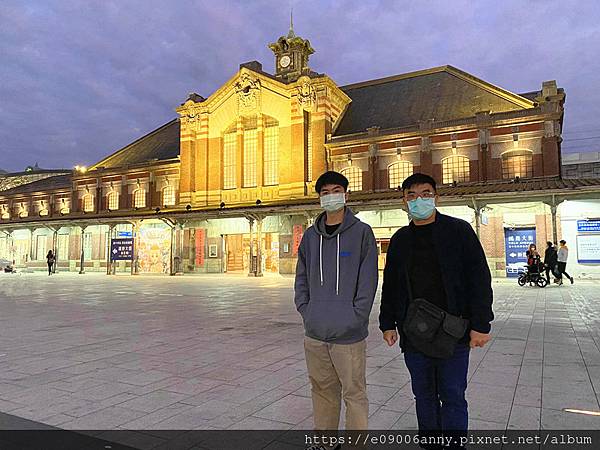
(125, 234)
(516, 243)
(121, 249)
(588, 226)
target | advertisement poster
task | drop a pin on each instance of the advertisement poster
(200, 245)
(297, 237)
(154, 249)
(516, 243)
(588, 248)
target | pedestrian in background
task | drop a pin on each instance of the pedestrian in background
(550, 259)
(336, 281)
(50, 259)
(563, 256)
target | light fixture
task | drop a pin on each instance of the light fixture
(516, 140)
(582, 411)
(188, 208)
(349, 159)
(157, 210)
(222, 205)
(258, 201)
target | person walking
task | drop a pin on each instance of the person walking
(50, 259)
(550, 259)
(335, 285)
(562, 257)
(436, 269)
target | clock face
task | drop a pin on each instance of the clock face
(285, 61)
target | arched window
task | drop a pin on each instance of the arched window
(88, 203)
(23, 212)
(354, 175)
(139, 198)
(398, 172)
(5, 213)
(250, 152)
(271, 154)
(455, 168)
(64, 208)
(517, 163)
(229, 151)
(113, 200)
(168, 195)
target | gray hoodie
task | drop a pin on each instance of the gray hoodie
(336, 280)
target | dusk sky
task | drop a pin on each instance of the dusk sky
(80, 79)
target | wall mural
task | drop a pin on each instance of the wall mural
(154, 249)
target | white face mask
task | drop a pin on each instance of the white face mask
(333, 202)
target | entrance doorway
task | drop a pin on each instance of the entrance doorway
(237, 253)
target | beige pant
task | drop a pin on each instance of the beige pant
(337, 371)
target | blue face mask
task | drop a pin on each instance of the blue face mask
(421, 208)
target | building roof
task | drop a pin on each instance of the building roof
(441, 93)
(44, 185)
(160, 144)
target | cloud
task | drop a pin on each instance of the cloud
(82, 79)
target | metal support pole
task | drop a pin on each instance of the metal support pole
(55, 249)
(554, 227)
(171, 268)
(109, 235)
(258, 272)
(82, 259)
(251, 270)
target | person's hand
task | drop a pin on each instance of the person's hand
(478, 339)
(390, 336)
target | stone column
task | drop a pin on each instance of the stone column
(258, 272)
(251, 258)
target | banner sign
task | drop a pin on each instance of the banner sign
(588, 226)
(121, 249)
(125, 234)
(516, 244)
(296, 238)
(588, 248)
(200, 245)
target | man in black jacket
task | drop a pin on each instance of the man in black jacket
(442, 259)
(550, 259)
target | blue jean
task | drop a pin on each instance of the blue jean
(439, 388)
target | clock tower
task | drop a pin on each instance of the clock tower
(291, 56)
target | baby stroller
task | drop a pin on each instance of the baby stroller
(533, 276)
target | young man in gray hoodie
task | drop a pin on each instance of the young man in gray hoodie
(336, 280)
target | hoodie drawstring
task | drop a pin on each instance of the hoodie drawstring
(321, 258)
(337, 274)
(337, 266)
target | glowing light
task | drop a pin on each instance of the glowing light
(582, 411)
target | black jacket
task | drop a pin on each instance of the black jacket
(550, 257)
(465, 275)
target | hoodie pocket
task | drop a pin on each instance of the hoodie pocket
(329, 320)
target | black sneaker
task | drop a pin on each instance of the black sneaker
(572, 281)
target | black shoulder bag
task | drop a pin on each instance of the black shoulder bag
(431, 330)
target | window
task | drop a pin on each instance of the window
(139, 198)
(64, 208)
(309, 149)
(455, 168)
(88, 203)
(250, 144)
(63, 247)
(168, 195)
(229, 149)
(113, 200)
(5, 214)
(87, 246)
(398, 172)
(40, 247)
(271, 155)
(23, 212)
(517, 163)
(354, 175)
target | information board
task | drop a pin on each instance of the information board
(516, 244)
(588, 248)
(121, 249)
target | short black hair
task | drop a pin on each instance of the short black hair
(550, 243)
(562, 241)
(331, 177)
(418, 178)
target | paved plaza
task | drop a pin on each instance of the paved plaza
(225, 352)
